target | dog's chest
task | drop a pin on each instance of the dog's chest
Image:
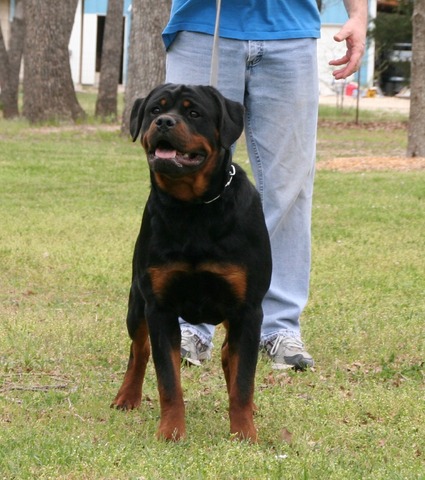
(199, 280)
(204, 291)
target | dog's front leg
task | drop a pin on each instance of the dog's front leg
(239, 360)
(130, 394)
(165, 336)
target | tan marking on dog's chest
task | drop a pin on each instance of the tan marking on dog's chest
(163, 274)
(234, 275)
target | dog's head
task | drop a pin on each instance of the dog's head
(185, 131)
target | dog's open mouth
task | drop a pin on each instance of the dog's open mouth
(165, 151)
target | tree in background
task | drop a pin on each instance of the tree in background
(10, 63)
(106, 104)
(48, 88)
(416, 143)
(146, 64)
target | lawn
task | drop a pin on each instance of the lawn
(71, 204)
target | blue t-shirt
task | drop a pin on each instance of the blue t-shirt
(245, 19)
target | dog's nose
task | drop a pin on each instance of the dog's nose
(165, 122)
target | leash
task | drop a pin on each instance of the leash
(214, 54)
(214, 83)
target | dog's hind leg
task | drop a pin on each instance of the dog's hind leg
(130, 394)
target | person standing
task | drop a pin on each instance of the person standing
(268, 62)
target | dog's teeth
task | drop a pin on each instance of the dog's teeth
(186, 155)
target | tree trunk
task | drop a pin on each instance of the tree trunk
(10, 63)
(48, 88)
(4, 77)
(146, 66)
(106, 104)
(416, 144)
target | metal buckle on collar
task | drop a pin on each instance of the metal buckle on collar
(232, 173)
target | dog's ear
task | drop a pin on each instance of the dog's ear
(231, 119)
(136, 117)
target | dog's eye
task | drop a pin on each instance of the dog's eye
(155, 110)
(194, 114)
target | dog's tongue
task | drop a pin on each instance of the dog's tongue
(166, 154)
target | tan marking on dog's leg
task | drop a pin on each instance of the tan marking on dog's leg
(240, 411)
(172, 425)
(130, 394)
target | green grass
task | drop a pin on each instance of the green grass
(71, 203)
(379, 133)
(348, 115)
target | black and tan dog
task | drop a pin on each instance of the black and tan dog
(202, 254)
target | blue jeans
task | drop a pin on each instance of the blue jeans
(277, 82)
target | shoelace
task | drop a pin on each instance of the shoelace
(199, 346)
(186, 339)
(287, 341)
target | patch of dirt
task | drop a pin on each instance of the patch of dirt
(75, 128)
(365, 164)
(368, 125)
(340, 164)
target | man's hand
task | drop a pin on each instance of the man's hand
(354, 34)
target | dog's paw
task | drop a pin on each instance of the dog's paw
(126, 401)
(172, 427)
(250, 436)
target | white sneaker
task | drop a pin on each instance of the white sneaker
(287, 351)
(192, 350)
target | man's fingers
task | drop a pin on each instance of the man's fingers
(352, 57)
(351, 67)
(340, 61)
(342, 73)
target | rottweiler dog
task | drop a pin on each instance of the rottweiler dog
(202, 254)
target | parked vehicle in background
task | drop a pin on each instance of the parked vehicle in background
(396, 72)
